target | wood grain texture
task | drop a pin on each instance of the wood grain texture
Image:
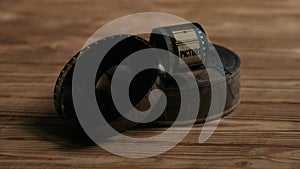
(38, 37)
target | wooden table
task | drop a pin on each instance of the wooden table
(38, 37)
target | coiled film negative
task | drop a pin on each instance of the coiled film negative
(195, 54)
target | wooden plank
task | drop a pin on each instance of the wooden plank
(38, 37)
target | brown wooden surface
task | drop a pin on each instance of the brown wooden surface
(38, 37)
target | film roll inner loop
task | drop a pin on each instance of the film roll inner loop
(214, 67)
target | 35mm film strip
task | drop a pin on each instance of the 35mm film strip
(187, 41)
